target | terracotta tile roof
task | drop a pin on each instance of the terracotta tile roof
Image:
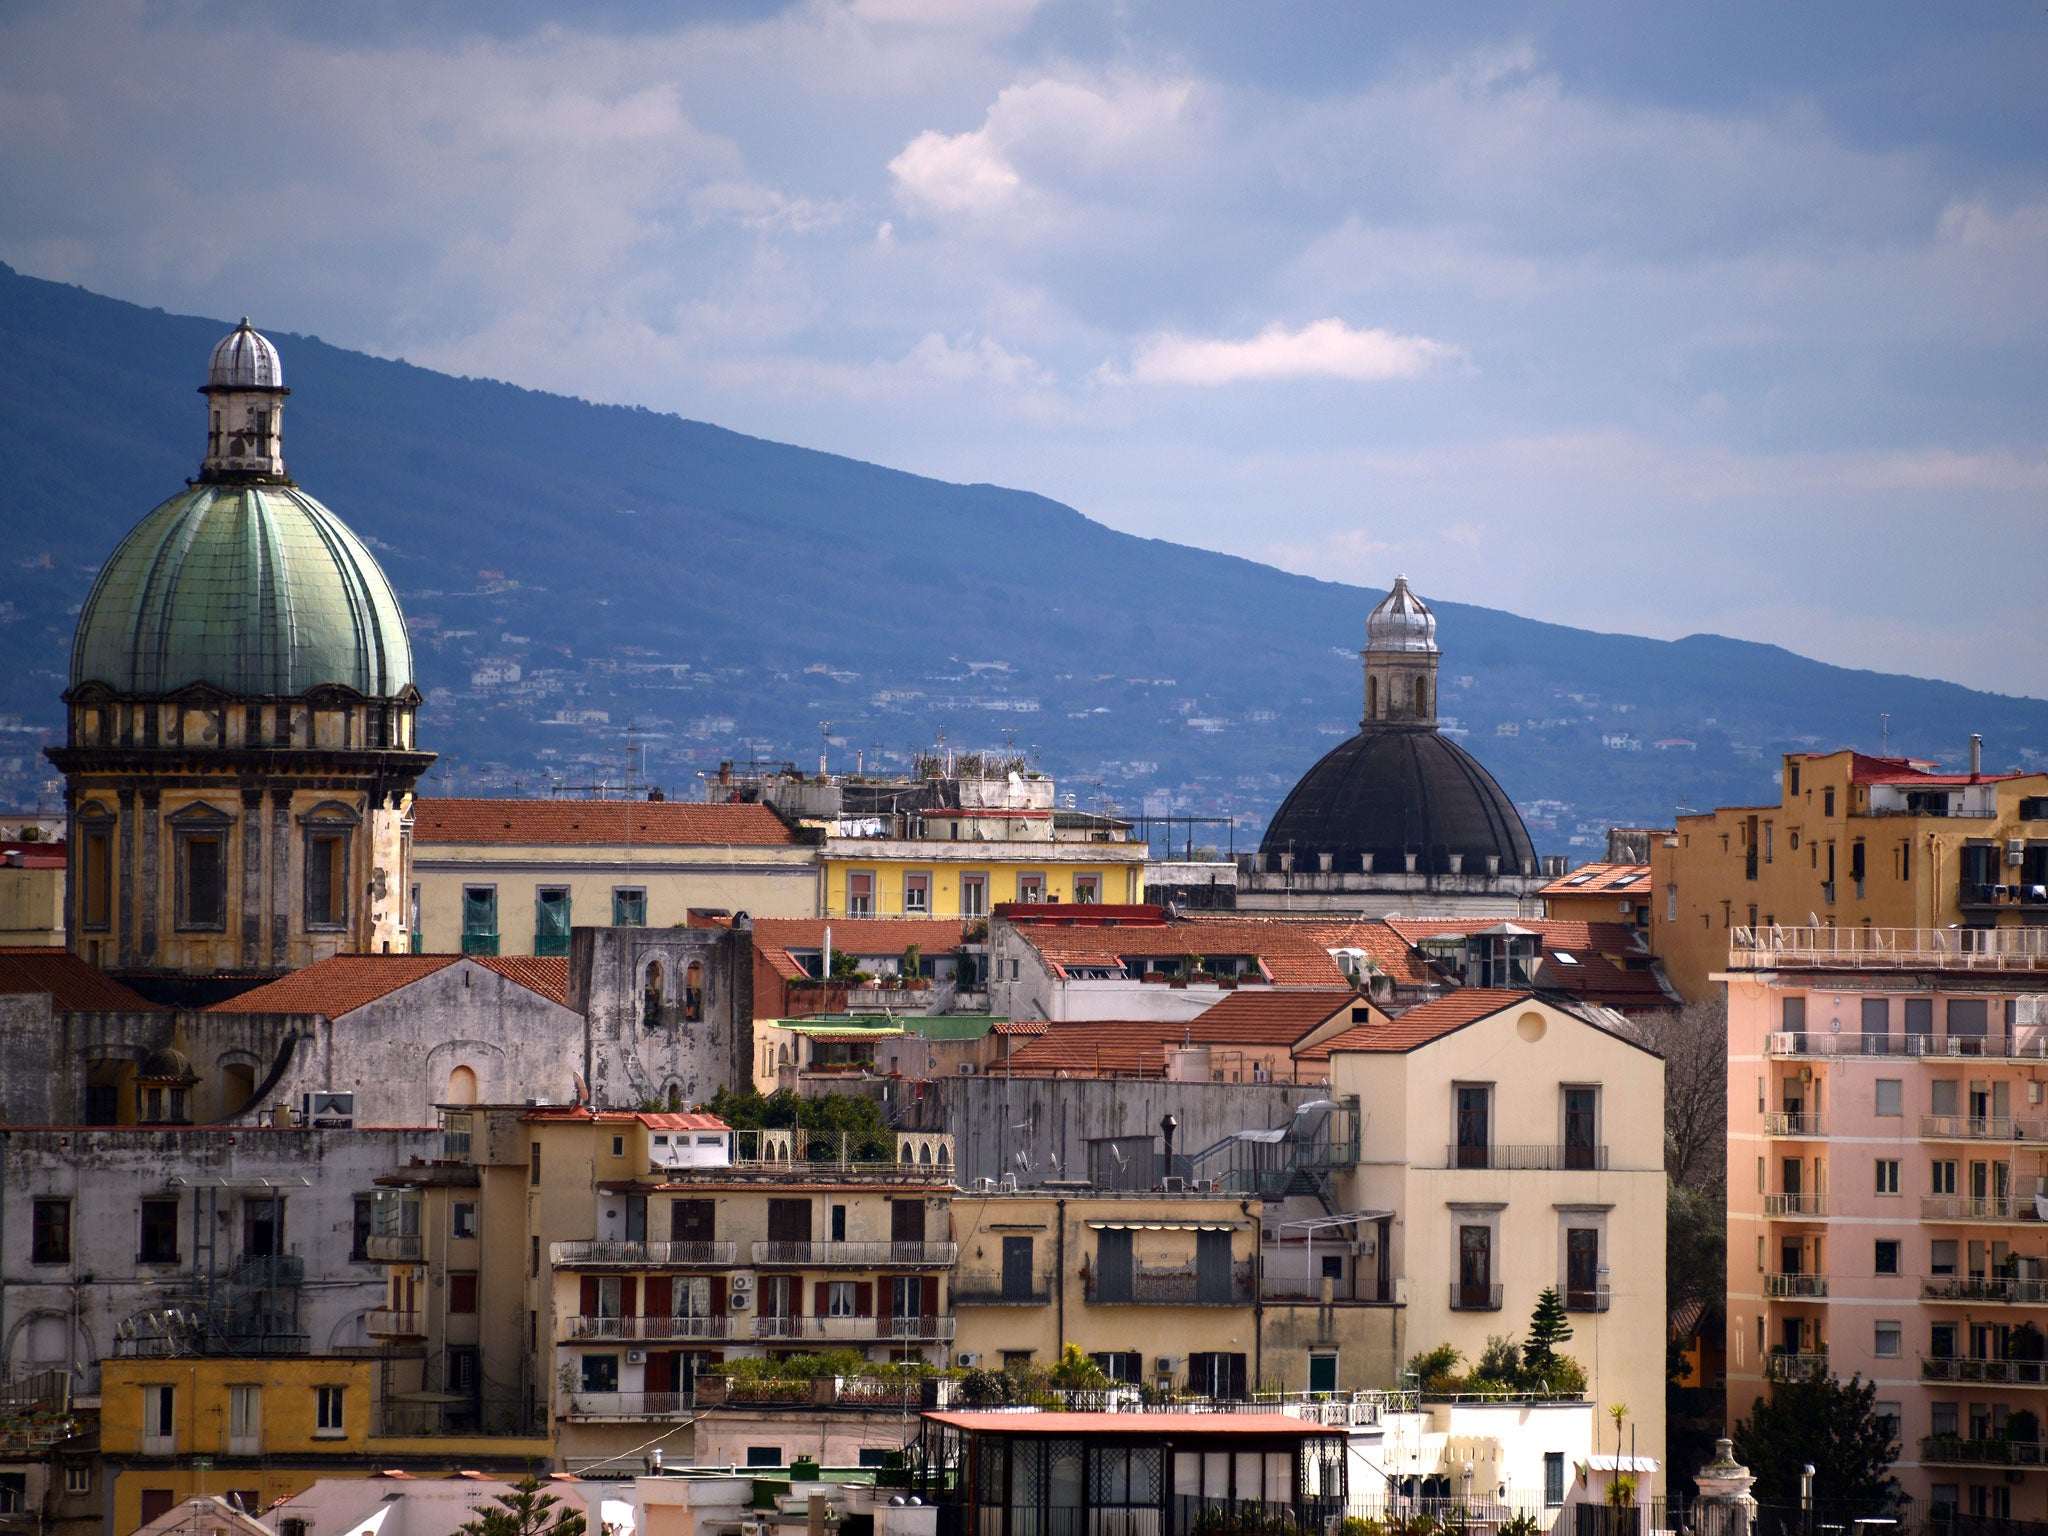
(658, 1120)
(1269, 1017)
(1290, 951)
(343, 983)
(558, 823)
(1600, 879)
(1569, 933)
(1378, 939)
(1429, 1021)
(74, 986)
(1019, 1026)
(1115, 1049)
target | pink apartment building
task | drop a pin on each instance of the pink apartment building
(1887, 1187)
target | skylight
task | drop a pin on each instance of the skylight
(1580, 879)
(1564, 957)
(1624, 882)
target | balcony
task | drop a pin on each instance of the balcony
(1143, 1287)
(2024, 1293)
(597, 1253)
(479, 943)
(626, 1405)
(1888, 949)
(394, 1247)
(1796, 1207)
(1789, 1287)
(1797, 1367)
(649, 1329)
(1586, 1298)
(1999, 1208)
(1981, 1128)
(1475, 1298)
(855, 1329)
(390, 1323)
(1955, 1451)
(986, 1294)
(1525, 1157)
(1793, 1123)
(808, 1255)
(2029, 1044)
(2004, 1373)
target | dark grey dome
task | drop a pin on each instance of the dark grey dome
(1391, 791)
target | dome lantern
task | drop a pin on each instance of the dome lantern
(245, 393)
(1400, 660)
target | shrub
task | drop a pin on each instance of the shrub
(1439, 1365)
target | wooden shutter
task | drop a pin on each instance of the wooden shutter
(661, 1295)
(796, 1297)
(931, 1296)
(589, 1296)
(629, 1296)
(821, 1299)
(718, 1295)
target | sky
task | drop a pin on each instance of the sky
(1659, 319)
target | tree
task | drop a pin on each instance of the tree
(1076, 1370)
(1831, 1423)
(525, 1511)
(1548, 1328)
(1694, 1044)
(1695, 1247)
(826, 1117)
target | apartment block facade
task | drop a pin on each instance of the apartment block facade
(1887, 1188)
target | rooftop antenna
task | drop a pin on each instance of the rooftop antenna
(1886, 749)
(824, 744)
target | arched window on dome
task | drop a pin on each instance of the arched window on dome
(1372, 698)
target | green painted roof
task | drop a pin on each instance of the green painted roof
(256, 589)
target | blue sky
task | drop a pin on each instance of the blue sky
(1652, 318)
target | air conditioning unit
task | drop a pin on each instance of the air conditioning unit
(2015, 851)
(988, 1186)
(967, 1360)
(742, 1281)
(1166, 1365)
(636, 1357)
(967, 1069)
(739, 1301)
(1174, 1184)
(334, 1110)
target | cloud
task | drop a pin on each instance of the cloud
(1322, 349)
(957, 173)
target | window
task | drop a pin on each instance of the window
(1889, 1415)
(96, 878)
(1886, 1261)
(326, 878)
(1472, 1130)
(1891, 1098)
(1088, 889)
(462, 1219)
(1114, 1265)
(1322, 1372)
(629, 906)
(1943, 1180)
(202, 879)
(1670, 903)
(764, 1455)
(860, 893)
(245, 1421)
(1474, 1290)
(551, 920)
(159, 1232)
(600, 1373)
(462, 1291)
(917, 895)
(1031, 888)
(1886, 1341)
(262, 1226)
(479, 919)
(1553, 1478)
(1941, 1256)
(1333, 1266)
(974, 895)
(159, 1421)
(1017, 1268)
(50, 1232)
(533, 1164)
(1827, 801)
(78, 1478)
(1582, 1268)
(361, 1226)
(1582, 1127)
(330, 1411)
(842, 1299)
(464, 1370)
(1887, 1175)
(1216, 1375)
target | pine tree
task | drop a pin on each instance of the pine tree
(1548, 1328)
(525, 1511)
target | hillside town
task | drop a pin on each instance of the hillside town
(920, 1152)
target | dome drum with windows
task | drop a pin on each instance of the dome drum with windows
(240, 651)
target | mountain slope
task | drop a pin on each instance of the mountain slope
(645, 568)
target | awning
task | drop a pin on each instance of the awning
(1165, 1226)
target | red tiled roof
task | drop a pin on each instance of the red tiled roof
(555, 823)
(1019, 1027)
(1291, 954)
(657, 1120)
(1599, 879)
(1268, 1017)
(343, 983)
(1428, 1021)
(74, 986)
(1378, 939)
(1120, 1048)
(775, 937)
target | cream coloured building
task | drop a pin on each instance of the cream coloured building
(511, 877)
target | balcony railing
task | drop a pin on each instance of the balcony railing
(2009, 1373)
(1475, 1298)
(1171, 1288)
(1954, 1451)
(2025, 1044)
(626, 1405)
(1797, 1367)
(1796, 1206)
(1861, 948)
(808, 1255)
(656, 1328)
(1787, 1286)
(1978, 1208)
(854, 1328)
(1586, 1298)
(2030, 1292)
(972, 1294)
(590, 1252)
(394, 1247)
(1793, 1123)
(479, 943)
(389, 1323)
(1982, 1128)
(1537, 1155)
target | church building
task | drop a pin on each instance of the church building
(1399, 818)
(239, 761)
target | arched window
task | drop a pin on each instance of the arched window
(1372, 698)
(693, 992)
(650, 998)
(462, 1086)
(1422, 698)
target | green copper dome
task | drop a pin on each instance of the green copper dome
(253, 588)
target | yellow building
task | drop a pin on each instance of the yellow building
(1159, 1288)
(1853, 842)
(511, 877)
(262, 1428)
(1602, 893)
(31, 895)
(939, 877)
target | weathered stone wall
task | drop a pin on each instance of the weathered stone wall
(633, 986)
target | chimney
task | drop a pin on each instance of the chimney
(1976, 756)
